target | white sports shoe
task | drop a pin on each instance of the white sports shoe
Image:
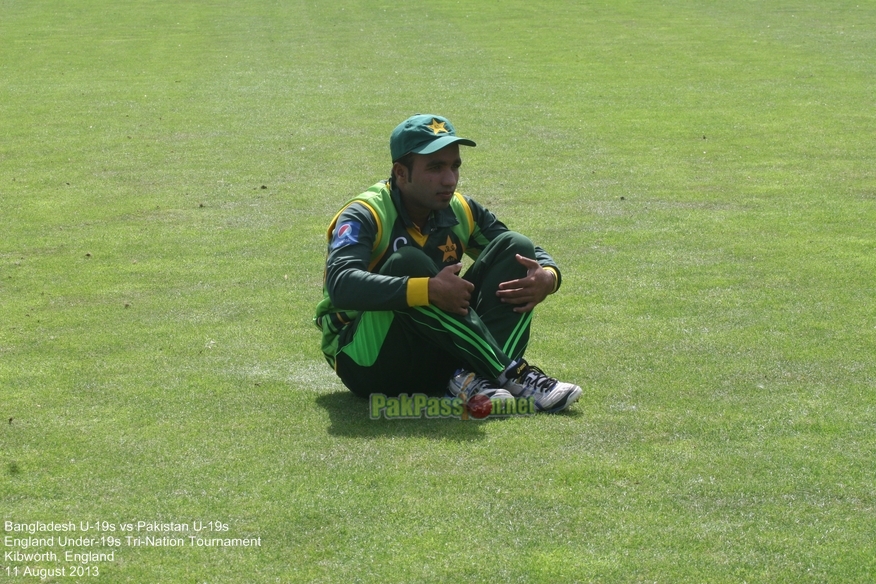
(467, 384)
(523, 380)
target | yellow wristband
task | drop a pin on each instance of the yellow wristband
(556, 278)
(418, 292)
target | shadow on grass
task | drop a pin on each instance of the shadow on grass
(349, 417)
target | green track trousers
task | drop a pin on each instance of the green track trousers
(416, 350)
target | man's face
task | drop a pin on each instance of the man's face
(431, 183)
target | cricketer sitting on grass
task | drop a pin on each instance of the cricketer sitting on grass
(396, 317)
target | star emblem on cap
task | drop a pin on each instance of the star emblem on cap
(438, 127)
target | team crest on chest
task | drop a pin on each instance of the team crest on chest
(449, 250)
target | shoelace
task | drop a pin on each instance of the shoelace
(476, 386)
(537, 380)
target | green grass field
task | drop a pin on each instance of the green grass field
(702, 171)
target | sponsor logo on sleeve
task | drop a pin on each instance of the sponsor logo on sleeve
(346, 234)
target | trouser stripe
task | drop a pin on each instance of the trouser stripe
(456, 329)
(510, 347)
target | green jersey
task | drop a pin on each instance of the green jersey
(373, 225)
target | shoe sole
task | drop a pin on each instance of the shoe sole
(571, 398)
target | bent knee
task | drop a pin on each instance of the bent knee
(409, 261)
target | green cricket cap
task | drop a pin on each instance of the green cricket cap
(423, 134)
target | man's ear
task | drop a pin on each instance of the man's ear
(400, 172)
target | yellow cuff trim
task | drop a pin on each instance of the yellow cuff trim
(418, 291)
(556, 278)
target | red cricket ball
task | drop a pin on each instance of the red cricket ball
(479, 406)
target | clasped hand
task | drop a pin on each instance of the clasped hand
(528, 291)
(452, 294)
(449, 292)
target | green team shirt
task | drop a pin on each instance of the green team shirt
(359, 244)
(351, 280)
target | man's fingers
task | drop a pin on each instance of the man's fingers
(509, 286)
(528, 262)
(450, 292)
(517, 300)
(454, 269)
